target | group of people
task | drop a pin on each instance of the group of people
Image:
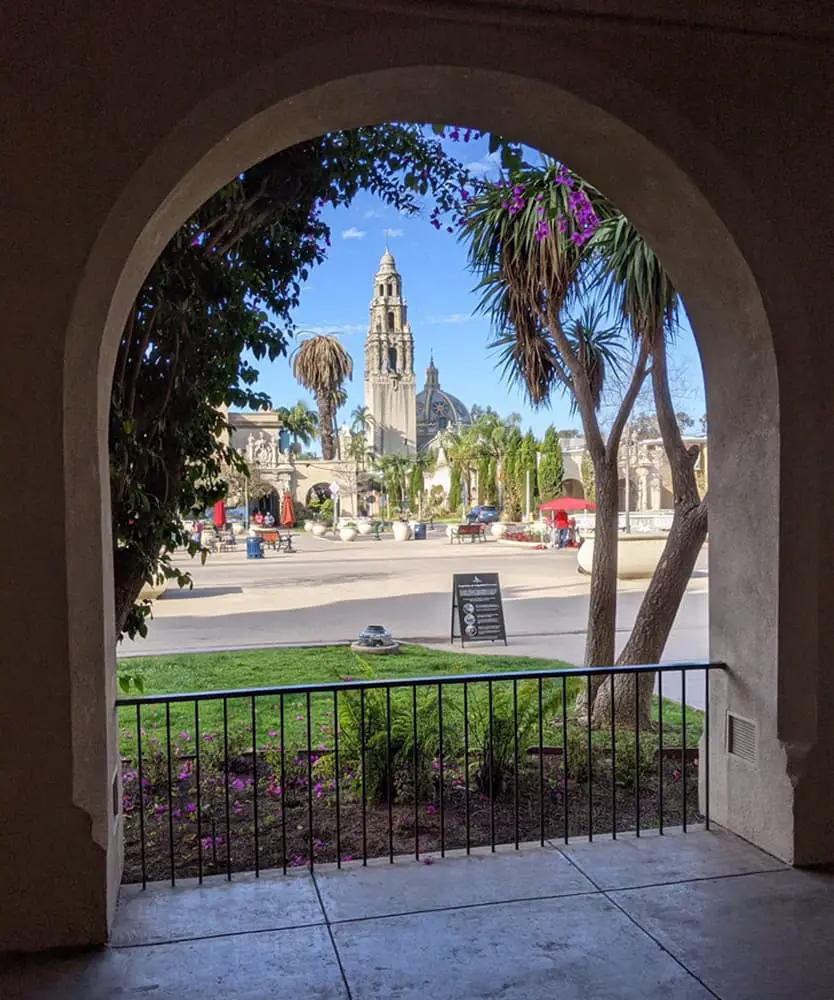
(562, 530)
(263, 520)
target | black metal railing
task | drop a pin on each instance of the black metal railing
(220, 782)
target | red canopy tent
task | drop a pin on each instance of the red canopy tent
(567, 503)
(287, 513)
(218, 518)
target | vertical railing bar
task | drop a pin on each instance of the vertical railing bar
(565, 753)
(255, 786)
(613, 759)
(660, 749)
(637, 751)
(310, 837)
(283, 787)
(590, 766)
(362, 766)
(336, 766)
(226, 789)
(140, 778)
(491, 769)
(198, 770)
(466, 761)
(683, 744)
(541, 765)
(389, 776)
(416, 774)
(170, 793)
(515, 763)
(440, 771)
(706, 744)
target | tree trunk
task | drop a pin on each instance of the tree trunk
(128, 580)
(668, 584)
(602, 606)
(326, 431)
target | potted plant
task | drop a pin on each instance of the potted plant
(319, 529)
(364, 526)
(348, 531)
(401, 531)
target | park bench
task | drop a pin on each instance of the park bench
(470, 531)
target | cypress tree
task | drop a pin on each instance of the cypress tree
(551, 468)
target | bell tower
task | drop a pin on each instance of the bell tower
(390, 389)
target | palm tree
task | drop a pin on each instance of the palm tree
(395, 471)
(528, 241)
(301, 424)
(322, 366)
(637, 285)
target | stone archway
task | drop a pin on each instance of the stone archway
(616, 101)
(573, 488)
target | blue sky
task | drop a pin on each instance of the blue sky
(441, 308)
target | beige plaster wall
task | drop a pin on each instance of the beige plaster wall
(116, 127)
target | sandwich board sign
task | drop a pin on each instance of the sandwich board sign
(477, 609)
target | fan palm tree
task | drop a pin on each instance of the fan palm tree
(322, 366)
(300, 423)
(636, 284)
(528, 240)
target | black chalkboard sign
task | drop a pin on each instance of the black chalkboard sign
(477, 607)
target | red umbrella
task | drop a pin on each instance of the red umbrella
(287, 515)
(218, 518)
(567, 503)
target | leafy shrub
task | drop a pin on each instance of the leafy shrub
(394, 772)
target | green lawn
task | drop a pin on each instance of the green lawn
(263, 668)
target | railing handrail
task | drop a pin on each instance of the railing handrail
(426, 681)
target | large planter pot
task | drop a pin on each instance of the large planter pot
(451, 529)
(364, 527)
(308, 525)
(497, 529)
(348, 534)
(637, 555)
(319, 528)
(401, 531)
(151, 591)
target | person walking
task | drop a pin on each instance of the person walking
(562, 526)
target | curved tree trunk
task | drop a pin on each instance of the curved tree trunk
(668, 584)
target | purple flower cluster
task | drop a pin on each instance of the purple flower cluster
(514, 202)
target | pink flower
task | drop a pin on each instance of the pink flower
(428, 861)
(347, 857)
(431, 810)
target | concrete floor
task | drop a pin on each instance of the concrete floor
(684, 916)
(328, 590)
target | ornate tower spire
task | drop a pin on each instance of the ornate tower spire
(389, 364)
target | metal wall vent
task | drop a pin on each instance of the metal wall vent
(742, 738)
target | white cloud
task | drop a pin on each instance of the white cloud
(353, 234)
(489, 164)
(373, 213)
(393, 233)
(450, 318)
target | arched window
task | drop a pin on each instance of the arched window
(390, 321)
(390, 289)
(381, 291)
(392, 359)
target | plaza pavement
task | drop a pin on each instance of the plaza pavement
(327, 590)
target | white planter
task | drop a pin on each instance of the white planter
(308, 525)
(364, 527)
(348, 534)
(319, 528)
(451, 529)
(401, 531)
(637, 555)
(497, 530)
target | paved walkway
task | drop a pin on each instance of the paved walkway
(328, 590)
(685, 916)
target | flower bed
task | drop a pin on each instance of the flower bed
(302, 813)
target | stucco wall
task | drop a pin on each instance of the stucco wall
(716, 142)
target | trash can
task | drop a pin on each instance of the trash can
(254, 548)
(419, 532)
